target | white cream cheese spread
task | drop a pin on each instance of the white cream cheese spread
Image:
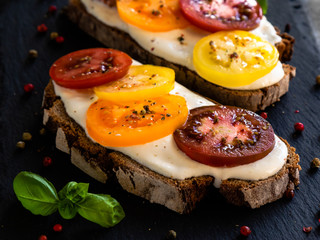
(167, 46)
(163, 156)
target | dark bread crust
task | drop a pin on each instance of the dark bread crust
(178, 195)
(253, 100)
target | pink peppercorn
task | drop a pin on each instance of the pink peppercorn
(299, 126)
(42, 28)
(42, 237)
(28, 87)
(245, 231)
(264, 115)
(59, 39)
(52, 9)
(57, 228)
(47, 161)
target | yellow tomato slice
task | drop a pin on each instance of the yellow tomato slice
(150, 15)
(234, 58)
(119, 125)
(141, 82)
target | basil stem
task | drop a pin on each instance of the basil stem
(101, 209)
(36, 193)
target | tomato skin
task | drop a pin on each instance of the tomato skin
(238, 16)
(150, 15)
(233, 137)
(90, 67)
(127, 124)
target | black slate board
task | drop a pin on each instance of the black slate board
(214, 218)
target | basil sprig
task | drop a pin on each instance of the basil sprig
(40, 197)
(264, 5)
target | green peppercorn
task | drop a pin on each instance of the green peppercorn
(33, 53)
(21, 144)
(318, 79)
(315, 163)
(26, 136)
(171, 235)
(42, 131)
(53, 35)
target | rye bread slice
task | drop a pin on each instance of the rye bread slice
(178, 195)
(253, 100)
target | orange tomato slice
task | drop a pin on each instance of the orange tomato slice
(150, 15)
(141, 82)
(120, 125)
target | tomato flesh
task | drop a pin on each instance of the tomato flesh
(216, 15)
(90, 67)
(234, 58)
(141, 82)
(138, 122)
(222, 136)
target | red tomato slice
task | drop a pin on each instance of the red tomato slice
(215, 15)
(223, 136)
(90, 67)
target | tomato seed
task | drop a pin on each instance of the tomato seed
(28, 87)
(59, 39)
(264, 115)
(245, 231)
(57, 228)
(42, 28)
(47, 161)
(42, 237)
(299, 126)
(52, 9)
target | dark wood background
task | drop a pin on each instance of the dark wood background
(214, 218)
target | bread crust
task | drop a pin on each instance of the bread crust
(253, 100)
(181, 196)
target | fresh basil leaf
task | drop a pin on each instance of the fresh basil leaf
(67, 209)
(101, 209)
(264, 5)
(36, 193)
(74, 191)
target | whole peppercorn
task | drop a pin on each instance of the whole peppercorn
(289, 193)
(21, 144)
(26, 136)
(59, 39)
(57, 227)
(318, 79)
(171, 235)
(42, 237)
(54, 35)
(307, 229)
(42, 28)
(245, 231)
(264, 115)
(42, 131)
(33, 53)
(315, 163)
(28, 87)
(52, 9)
(299, 126)
(47, 161)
